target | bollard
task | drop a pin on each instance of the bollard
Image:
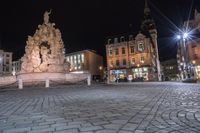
(20, 84)
(47, 83)
(89, 81)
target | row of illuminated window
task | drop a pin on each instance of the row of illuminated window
(6, 62)
(169, 67)
(124, 62)
(121, 39)
(75, 59)
(140, 48)
(76, 67)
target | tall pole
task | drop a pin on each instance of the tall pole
(187, 67)
(181, 47)
(185, 59)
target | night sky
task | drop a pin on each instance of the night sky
(86, 24)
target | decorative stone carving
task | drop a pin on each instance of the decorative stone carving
(44, 51)
(46, 17)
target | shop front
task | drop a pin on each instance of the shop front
(140, 74)
(197, 72)
(118, 75)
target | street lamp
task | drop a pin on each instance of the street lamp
(182, 38)
(185, 35)
(178, 37)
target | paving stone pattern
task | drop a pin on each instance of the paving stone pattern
(123, 108)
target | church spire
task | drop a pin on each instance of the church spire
(148, 22)
(146, 7)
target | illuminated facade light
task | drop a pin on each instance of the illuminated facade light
(100, 67)
(193, 62)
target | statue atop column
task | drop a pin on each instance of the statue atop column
(46, 16)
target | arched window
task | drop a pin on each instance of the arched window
(109, 41)
(122, 39)
(130, 37)
(140, 47)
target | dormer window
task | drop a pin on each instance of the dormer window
(140, 47)
(130, 37)
(110, 52)
(122, 39)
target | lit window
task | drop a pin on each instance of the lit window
(79, 59)
(68, 59)
(7, 61)
(140, 47)
(116, 51)
(82, 58)
(110, 52)
(133, 61)
(145, 69)
(123, 50)
(117, 62)
(75, 61)
(142, 60)
(132, 49)
(124, 61)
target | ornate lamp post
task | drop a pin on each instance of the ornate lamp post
(184, 55)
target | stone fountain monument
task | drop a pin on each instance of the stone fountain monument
(44, 59)
(44, 54)
(44, 51)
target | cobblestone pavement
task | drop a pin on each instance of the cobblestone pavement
(122, 108)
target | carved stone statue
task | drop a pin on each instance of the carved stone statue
(46, 17)
(44, 50)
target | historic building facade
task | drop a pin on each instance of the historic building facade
(188, 52)
(135, 58)
(86, 61)
(5, 62)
